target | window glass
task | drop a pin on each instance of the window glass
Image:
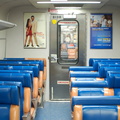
(67, 42)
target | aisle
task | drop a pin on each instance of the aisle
(54, 111)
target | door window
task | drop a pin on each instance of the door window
(68, 42)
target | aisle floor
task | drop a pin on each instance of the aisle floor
(54, 111)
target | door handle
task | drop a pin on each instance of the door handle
(52, 58)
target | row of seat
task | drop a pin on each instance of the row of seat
(95, 90)
(22, 83)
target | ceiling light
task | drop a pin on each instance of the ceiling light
(70, 2)
(68, 7)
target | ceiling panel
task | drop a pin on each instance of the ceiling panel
(8, 4)
(85, 6)
(114, 3)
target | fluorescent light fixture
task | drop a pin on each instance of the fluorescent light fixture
(68, 7)
(58, 0)
(69, 2)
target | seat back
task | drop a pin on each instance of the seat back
(26, 81)
(35, 69)
(25, 78)
(95, 63)
(21, 91)
(95, 100)
(40, 62)
(92, 60)
(14, 59)
(103, 70)
(87, 74)
(9, 103)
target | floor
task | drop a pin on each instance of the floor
(54, 111)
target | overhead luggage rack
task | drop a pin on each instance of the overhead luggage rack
(6, 25)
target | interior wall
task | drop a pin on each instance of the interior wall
(14, 45)
(15, 42)
(3, 16)
(105, 53)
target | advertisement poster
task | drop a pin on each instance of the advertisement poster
(101, 31)
(34, 30)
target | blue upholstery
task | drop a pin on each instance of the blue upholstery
(21, 92)
(95, 66)
(25, 78)
(107, 63)
(12, 83)
(101, 73)
(85, 79)
(92, 60)
(81, 68)
(79, 74)
(95, 63)
(14, 58)
(18, 64)
(103, 112)
(9, 95)
(40, 62)
(89, 84)
(95, 91)
(95, 100)
(112, 81)
(18, 71)
(35, 69)
(103, 70)
(90, 91)
(4, 111)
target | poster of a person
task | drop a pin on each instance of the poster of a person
(103, 21)
(28, 37)
(67, 39)
(34, 30)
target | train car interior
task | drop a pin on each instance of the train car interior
(59, 59)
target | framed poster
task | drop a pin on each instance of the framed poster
(100, 31)
(34, 30)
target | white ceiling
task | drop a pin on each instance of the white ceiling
(15, 3)
(85, 6)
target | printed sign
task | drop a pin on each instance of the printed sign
(63, 82)
(34, 30)
(101, 31)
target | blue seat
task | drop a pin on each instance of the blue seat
(14, 59)
(94, 97)
(9, 103)
(38, 72)
(101, 73)
(94, 67)
(26, 81)
(91, 60)
(92, 107)
(97, 63)
(34, 68)
(110, 82)
(42, 66)
(21, 91)
(103, 70)
(40, 62)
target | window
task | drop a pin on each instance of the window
(67, 42)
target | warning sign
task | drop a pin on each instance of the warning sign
(54, 21)
(63, 82)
